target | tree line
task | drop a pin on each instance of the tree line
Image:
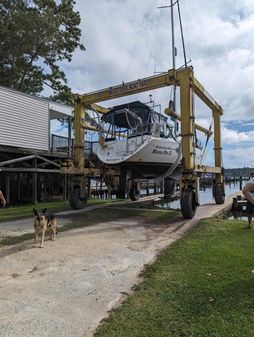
(239, 172)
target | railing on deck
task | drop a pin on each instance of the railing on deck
(90, 149)
(62, 144)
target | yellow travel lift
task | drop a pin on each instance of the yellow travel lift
(190, 171)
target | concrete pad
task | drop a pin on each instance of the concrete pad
(22, 226)
(66, 288)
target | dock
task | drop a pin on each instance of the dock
(239, 204)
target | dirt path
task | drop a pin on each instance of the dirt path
(66, 288)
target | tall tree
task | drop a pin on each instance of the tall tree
(35, 36)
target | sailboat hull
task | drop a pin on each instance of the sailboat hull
(150, 170)
(143, 156)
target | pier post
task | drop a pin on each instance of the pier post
(122, 183)
(7, 188)
(241, 182)
(147, 187)
(34, 183)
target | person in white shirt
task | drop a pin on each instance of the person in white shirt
(247, 192)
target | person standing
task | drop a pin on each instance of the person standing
(2, 198)
(247, 192)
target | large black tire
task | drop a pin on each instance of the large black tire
(188, 203)
(75, 200)
(134, 192)
(219, 194)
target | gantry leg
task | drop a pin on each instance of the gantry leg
(78, 194)
(219, 187)
(189, 183)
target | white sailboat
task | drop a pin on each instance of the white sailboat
(139, 138)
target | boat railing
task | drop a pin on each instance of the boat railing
(135, 138)
(144, 129)
(156, 129)
(127, 141)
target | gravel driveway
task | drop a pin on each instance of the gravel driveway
(66, 288)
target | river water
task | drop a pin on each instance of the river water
(206, 195)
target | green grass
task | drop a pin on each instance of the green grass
(95, 216)
(201, 286)
(18, 212)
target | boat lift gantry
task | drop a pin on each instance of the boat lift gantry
(190, 173)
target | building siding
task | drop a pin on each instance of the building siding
(24, 120)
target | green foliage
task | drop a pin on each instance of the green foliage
(238, 172)
(35, 37)
(24, 211)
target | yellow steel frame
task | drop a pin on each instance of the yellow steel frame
(173, 114)
(185, 79)
(79, 134)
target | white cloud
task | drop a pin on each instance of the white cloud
(126, 40)
(238, 157)
(230, 136)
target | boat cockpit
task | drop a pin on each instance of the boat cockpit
(133, 120)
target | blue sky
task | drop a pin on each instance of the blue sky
(128, 39)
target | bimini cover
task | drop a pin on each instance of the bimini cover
(126, 115)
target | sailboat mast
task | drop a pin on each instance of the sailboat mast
(173, 50)
(173, 34)
(174, 53)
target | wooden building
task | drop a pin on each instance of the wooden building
(30, 154)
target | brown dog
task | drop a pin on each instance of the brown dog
(51, 225)
(44, 221)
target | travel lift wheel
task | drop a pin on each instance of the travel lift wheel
(134, 192)
(188, 203)
(75, 199)
(219, 194)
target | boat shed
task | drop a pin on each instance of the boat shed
(30, 152)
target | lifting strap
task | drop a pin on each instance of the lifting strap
(173, 167)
